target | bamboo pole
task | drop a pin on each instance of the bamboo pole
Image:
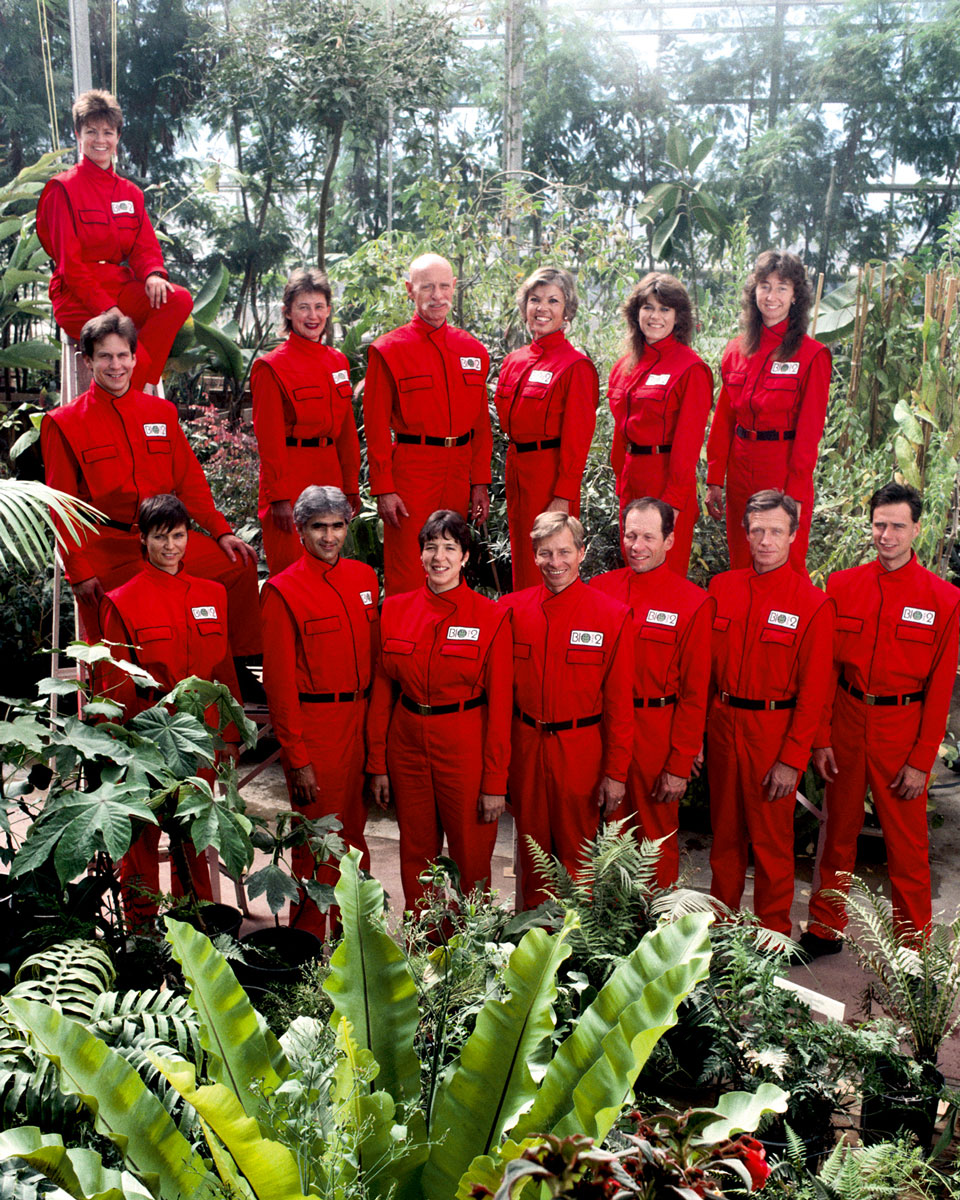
(948, 313)
(857, 340)
(816, 305)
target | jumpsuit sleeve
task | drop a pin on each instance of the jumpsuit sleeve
(481, 448)
(379, 710)
(270, 427)
(824, 734)
(379, 393)
(936, 700)
(193, 489)
(498, 683)
(690, 714)
(280, 676)
(61, 471)
(718, 442)
(579, 421)
(813, 683)
(810, 421)
(696, 396)
(79, 277)
(618, 707)
(348, 452)
(110, 682)
(146, 257)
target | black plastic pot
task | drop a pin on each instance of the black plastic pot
(217, 919)
(901, 1106)
(276, 956)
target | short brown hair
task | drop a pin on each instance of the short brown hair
(160, 514)
(561, 279)
(767, 501)
(897, 493)
(446, 523)
(549, 524)
(789, 267)
(644, 504)
(304, 281)
(97, 105)
(669, 291)
(98, 328)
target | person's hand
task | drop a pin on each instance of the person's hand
(676, 516)
(157, 289)
(779, 781)
(235, 548)
(490, 807)
(558, 504)
(88, 591)
(113, 312)
(667, 788)
(303, 785)
(825, 764)
(391, 508)
(610, 796)
(380, 790)
(908, 782)
(353, 499)
(697, 765)
(281, 512)
(799, 508)
(715, 500)
(479, 502)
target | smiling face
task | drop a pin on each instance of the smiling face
(545, 309)
(894, 532)
(656, 320)
(774, 297)
(97, 140)
(559, 559)
(431, 286)
(644, 545)
(308, 315)
(443, 559)
(165, 548)
(323, 536)
(770, 539)
(112, 364)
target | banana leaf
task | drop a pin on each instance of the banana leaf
(78, 1171)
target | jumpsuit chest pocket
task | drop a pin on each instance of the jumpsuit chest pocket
(460, 650)
(345, 390)
(153, 633)
(93, 216)
(521, 650)
(916, 633)
(721, 624)
(321, 625)
(733, 381)
(304, 395)
(533, 391)
(415, 383)
(373, 613)
(99, 453)
(208, 628)
(780, 637)
(398, 646)
(781, 392)
(157, 445)
(127, 222)
(586, 656)
(849, 624)
(658, 633)
(650, 395)
(473, 379)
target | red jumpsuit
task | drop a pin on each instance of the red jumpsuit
(173, 626)
(573, 663)
(546, 398)
(896, 636)
(766, 431)
(772, 639)
(428, 385)
(321, 643)
(440, 650)
(93, 224)
(306, 433)
(115, 452)
(672, 621)
(660, 409)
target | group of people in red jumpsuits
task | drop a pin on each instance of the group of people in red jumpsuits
(571, 702)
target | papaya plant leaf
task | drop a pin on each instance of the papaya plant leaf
(273, 882)
(185, 742)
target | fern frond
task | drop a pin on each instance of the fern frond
(67, 977)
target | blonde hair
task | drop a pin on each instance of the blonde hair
(549, 524)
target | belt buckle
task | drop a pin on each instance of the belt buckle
(450, 441)
(724, 697)
(423, 710)
(869, 699)
(655, 450)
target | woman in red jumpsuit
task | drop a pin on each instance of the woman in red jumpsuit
(660, 395)
(769, 418)
(302, 416)
(438, 731)
(546, 399)
(173, 625)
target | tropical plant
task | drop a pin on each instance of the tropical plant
(27, 510)
(886, 1171)
(278, 881)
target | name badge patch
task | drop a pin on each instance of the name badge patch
(470, 364)
(541, 376)
(341, 376)
(657, 380)
(463, 633)
(785, 368)
(918, 616)
(656, 616)
(586, 637)
(122, 206)
(784, 619)
(159, 430)
(206, 613)
(367, 597)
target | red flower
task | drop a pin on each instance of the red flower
(754, 1158)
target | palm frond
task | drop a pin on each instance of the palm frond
(27, 508)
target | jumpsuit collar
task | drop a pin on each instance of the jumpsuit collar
(771, 578)
(644, 581)
(164, 579)
(425, 329)
(773, 335)
(569, 595)
(450, 598)
(904, 572)
(304, 345)
(548, 341)
(100, 393)
(317, 565)
(90, 170)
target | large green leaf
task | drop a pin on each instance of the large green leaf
(33, 355)
(592, 1073)
(242, 1053)
(699, 153)
(741, 1112)
(664, 232)
(186, 743)
(123, 1107)
(371, 985)
(26, 523)
(78, 1172)
(226, 353)
(206, 306)
(481, 1097)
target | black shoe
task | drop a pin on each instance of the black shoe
(815, 946)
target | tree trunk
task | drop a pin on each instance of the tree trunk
(325, 195)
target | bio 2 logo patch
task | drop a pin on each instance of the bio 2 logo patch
(784, 619)
(918, 616)
(586, 637)
(656, 616)
(470, 364)
(463, 633)
(206, 612)
(158, 430)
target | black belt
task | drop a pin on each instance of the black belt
(310, 442)
(654, 701)
(124, 526)
(557, 726)
(766, 435)
(633, 448)
(414, 439)
(756, 705)
(526, 447)
(333, 697)
(440, 710)
(880, 701)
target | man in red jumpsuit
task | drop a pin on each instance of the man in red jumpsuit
(321, 643)
(427, 382)
(106, 255)
(113, 447)
(772, 635)
(894, 668)
(573, 704)
(672, 620)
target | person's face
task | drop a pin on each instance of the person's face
(443, 559)
(770, 539)
(656, 320)
(894, 532)
(323, 536)
(97, 141)
(545, 309)
(308, 315)
(112, 364)
(774, 297)
(643, 541)
(166, 548)
(559, 560)
(431, 290)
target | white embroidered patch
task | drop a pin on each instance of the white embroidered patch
(784, 619)
(159, 430)
(785, 368)
(657, 380)
(122, 206)
(367, 598)
(586, 637)
(541, 376)
(470, 364)
(205, 613)
(918, 616)
(341, 376)
(656, 616)
(463, 633)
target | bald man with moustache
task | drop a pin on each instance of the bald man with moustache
(426, 382)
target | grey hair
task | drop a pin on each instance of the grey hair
(555, 275)
(315, 501)
(768, 500)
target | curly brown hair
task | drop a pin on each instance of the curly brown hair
(790, 268)
(669, 291)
